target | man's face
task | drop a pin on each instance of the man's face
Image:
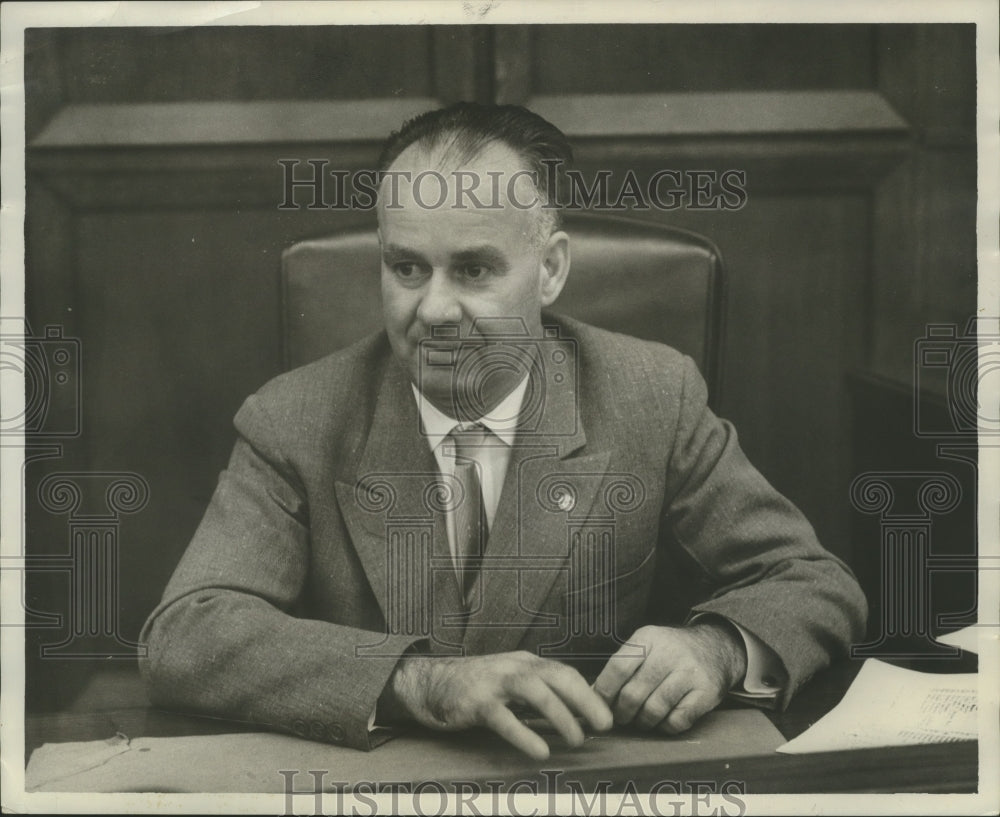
(446, 268)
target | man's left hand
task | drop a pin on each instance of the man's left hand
(683, 673)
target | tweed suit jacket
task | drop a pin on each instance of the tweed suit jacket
(323, 554)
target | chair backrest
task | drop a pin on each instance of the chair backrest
(646, 280)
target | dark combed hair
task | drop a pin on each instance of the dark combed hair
(464, 129)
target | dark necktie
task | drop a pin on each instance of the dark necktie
(469, 513)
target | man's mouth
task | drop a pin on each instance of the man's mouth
(449, 353)
(440, 354)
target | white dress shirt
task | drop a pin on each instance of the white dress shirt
(491, 458)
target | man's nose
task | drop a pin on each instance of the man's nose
(439, 303)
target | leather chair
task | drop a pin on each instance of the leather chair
(642, 279)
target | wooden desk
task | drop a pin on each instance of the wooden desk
(114, 702)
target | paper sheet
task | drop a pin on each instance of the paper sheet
(891, 706)
(968, 638)
(251, 762)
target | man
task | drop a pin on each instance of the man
(453, 521)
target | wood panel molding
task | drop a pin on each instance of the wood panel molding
(738, 113)
(165, 155)
(170, 124)
(182, 124)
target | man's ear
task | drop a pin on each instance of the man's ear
(555, 266)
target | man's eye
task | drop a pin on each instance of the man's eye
(475, 272)
(406, 270)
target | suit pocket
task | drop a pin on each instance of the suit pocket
(602, 597)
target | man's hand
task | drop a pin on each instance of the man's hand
(683, 673)
(459, 693)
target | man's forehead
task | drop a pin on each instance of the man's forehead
(456, 233)
(490, 175)
(448, 155)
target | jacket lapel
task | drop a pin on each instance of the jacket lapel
(395, 518)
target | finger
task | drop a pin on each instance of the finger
(502, 721)
(616, 673)
(578, 695)
(639, 687)
(534, 691)
(683, 716)
(662, 700)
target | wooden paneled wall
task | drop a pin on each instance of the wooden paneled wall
(154, 231)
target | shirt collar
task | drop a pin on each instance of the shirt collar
(502, 420)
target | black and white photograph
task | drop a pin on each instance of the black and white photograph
(498, 407)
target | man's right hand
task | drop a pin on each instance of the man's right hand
(459, 693)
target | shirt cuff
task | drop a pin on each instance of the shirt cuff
(376, 727)
(765, 677)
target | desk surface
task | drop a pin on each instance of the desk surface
(114, 702)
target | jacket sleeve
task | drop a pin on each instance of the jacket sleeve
(224, 641)
(760, 557)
